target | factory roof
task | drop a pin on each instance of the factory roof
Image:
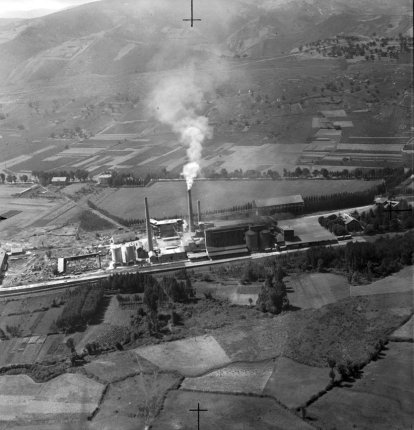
(279, 201)
(124, 237)
(240, 250)
(165, 221)
(172, 250)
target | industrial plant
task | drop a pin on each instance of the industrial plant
(195, 239)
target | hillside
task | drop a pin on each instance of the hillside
(56, 69)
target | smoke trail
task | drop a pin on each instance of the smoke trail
(175, 102)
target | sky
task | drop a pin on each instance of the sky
(33, 8)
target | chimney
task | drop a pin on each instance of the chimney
(190, 212)
(198, 211)
(149, 229)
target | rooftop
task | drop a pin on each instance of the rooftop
(59, 179)
(165, 221)
(124, 237)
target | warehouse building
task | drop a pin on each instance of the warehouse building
(59, 180)
(234, 240)
(168, 255)
(292, 204)
(119, 238)
(167, 227)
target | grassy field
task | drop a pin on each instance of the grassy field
(400, 282)
(170, 198)
(381, 399)
(67, 395)
(225, 411)
(189, 356)
(127, 399)
(316, 289)
(235, 378)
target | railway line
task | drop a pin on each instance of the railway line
(71, 282)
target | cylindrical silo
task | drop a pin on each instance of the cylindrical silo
(117, 255)
(128, 254)
(252, 240)
(266, 239)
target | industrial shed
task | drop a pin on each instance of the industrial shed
(293, 204)
(119, 238)
(59, 180)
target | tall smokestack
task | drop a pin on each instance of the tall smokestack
(198, 211)
(148, 224)
(190, 212)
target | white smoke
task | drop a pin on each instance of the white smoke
(175, 101)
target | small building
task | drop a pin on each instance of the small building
(351, 224)
(3, 260)
(292, 204)
(119, 238)
(16, 250)
(168, 255)
(287, 232)
(104, 178)
(167, 227)
(59, 180)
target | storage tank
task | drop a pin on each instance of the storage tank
(252, 240)
(116, 255)
(128, 253)
(266, 239)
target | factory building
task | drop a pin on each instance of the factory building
(167, 227)
(292, 204)
(168, 255)
(234, 240)
(63, 261)
(3, 260)
(119, 238)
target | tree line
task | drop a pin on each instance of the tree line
(339, 200)
(81, 304)
(45, 178)
(371, 259)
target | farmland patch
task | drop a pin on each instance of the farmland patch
(118, 365)
(382, 399)
(23, 400)
(128, 398)
(293, 384)
(189, 356)
(234, 378)
(169, 198)
(225, 411)
(316, 289)
(399, 282)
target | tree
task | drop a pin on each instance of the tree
(9, 178)
(2, 177)
(24, 178)
(273, 296)
(151, 300)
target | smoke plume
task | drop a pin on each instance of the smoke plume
(175, 102)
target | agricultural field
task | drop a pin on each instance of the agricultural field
(400, 282)
(226, 411)
(381, 399)
(67, 396)
(316, 289)
(26, 210)
(170, 198)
